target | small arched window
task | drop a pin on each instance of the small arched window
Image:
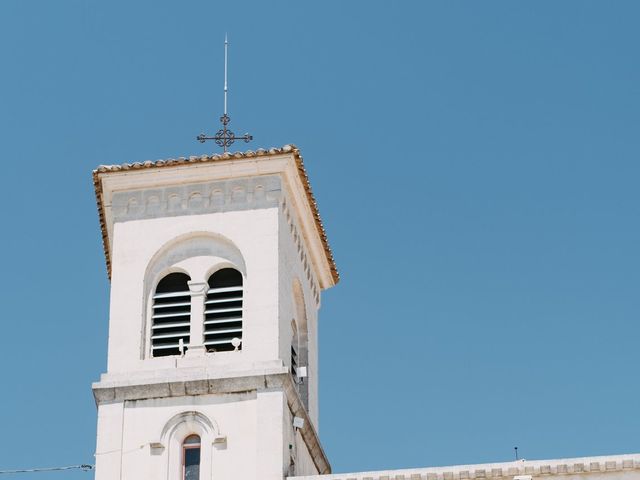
(223, 311)
(171, 318)
(191, 458)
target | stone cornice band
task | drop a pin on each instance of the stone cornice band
(304, 178)
(104, 392)
(587, 466)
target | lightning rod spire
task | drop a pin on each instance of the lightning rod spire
(226, 48)
(225, 137)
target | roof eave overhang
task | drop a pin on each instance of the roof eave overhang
(285, 161)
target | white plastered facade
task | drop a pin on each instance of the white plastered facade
(249, 215)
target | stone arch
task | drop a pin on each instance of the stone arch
(218, 248)
(178, 428)
(300, 310)
(194, 244)
(201, 424)
(221, 265)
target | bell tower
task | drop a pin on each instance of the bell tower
(217, 264)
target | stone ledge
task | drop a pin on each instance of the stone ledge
(614, 467)
(141, 385)
(181, 384)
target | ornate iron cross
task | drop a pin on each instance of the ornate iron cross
(225, 137)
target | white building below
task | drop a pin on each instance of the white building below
(613, 467)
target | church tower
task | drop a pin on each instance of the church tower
(217, 264)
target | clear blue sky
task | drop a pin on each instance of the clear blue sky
(477, 168)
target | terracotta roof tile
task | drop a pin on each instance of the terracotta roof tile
(105, 169)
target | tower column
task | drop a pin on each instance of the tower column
(196, 336)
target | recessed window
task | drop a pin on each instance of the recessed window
(171, 317)
(191, 458)
(294, 350)
(223, 311)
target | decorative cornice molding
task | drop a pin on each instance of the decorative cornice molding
(301, 249)
(105, 170)
(197, 198)
(585, 467)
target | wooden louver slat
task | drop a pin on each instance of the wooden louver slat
(223, 317)
(171, 317)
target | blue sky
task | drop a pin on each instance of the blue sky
(476, 167)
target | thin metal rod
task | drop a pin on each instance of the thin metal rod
(226, 47)
(85, 467)
(225, 137)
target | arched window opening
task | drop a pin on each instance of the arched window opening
(223, 311)
(294, 350)
(302, 343)
(171, 316)
(191, 458)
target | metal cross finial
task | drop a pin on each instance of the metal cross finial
(225, 137)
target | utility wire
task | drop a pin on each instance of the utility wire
(84, 467)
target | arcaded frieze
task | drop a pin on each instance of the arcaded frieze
(197, 198)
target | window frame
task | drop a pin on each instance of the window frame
(198, 273)
(188, 446)
(231, 320)
(151, 306)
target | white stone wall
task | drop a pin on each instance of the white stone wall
(265, 244)
(251, 232)
(299, 300)
(613, 467)
(241, 436)
(145, 409)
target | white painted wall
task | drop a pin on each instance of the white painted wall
(142, 439)
(255, 231)
(252, 232)
(295, 448)
(265, 244)
(295, 270)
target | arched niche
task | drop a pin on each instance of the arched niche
(302, 334)
(195, 244)
(195, 254)
(176, 430)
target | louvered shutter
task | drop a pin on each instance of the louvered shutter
(171, 317)
(223, 310)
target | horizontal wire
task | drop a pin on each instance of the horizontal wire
(85, 467)
(124, 452)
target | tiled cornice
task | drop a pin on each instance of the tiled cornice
(304, 178)
(587, 467)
